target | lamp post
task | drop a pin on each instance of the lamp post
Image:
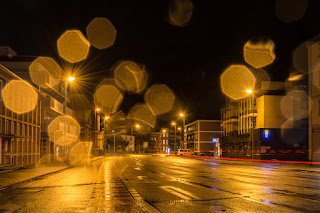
(105, 128)
(183, 118)
(95, 126)
(114, 142)
(69, 79)
(175, 135)
(250, 91)
(137, 126)
(179, 129)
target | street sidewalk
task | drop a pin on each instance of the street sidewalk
(11, 175)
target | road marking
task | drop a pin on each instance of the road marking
(137, 168)
(179, 192)
(146, 179)
(139, 164)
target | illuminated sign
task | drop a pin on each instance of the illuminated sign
(215, 140)
(266, 133)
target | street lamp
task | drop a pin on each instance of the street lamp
(184, 120)
(69, 79)
(114, 142)
(95, 126)
(175, 135)
(179, 129)
(105, 128)
(250, 91)
(137, 126)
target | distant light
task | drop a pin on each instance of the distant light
(215, 140)
(295, 77)
(181, 114)
(98, 109)
(71, 78)
(249, 91)
(137, 125)
(179, 128)
(107, 117)
(164, 130)
(266, 133)
(173, 123)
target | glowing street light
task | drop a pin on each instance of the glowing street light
(71, 78)
(136, 126)
(184, 120)
(249, 91)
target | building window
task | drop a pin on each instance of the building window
(164, 141)
(164, 135)
(12, 127)
(7, 126)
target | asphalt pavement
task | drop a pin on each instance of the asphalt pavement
(182, 184)
(161, 183)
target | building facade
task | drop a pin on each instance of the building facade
(202, 136)
(19, 133)
(265, 130)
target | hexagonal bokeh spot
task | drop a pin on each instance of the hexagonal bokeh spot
(19, 96)
(180, 12)
(142, 115)
(117, 122)
(289, 11)
(160, 99)
(300, 58)
(295, 105)
(130, 77)
(44, 68)
(73, 46)
(64, 130)
(101, 33)
(260, 54)
(108, 98)
(235, 80)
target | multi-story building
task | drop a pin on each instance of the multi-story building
(164, 140)
(19, 133)
(155, 143)
(313, 64)
(53, 104)
(272, 130)
(202, 136)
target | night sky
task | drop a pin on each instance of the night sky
(188, 59)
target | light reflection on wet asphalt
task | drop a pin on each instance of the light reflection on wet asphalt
(169, 184)
(222, 186)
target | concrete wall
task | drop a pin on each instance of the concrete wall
(269, 112)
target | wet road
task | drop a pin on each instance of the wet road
(168, 184)
(92, 188)
(181, 184)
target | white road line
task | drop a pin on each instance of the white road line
(137, 168)
(179, 192)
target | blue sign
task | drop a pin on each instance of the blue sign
(266, 133)
(215, 140)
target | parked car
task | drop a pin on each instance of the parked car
(185, 152)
